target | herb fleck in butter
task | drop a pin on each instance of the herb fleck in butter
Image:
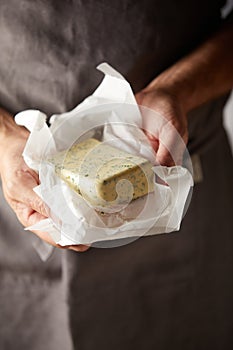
(102, 174)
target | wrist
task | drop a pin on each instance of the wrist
(179, 90)
(10, 131)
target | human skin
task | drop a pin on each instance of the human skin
(200, 76)
(18, 180)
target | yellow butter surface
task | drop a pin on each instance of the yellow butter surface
(103, 174)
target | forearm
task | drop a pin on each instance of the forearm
(202, 75)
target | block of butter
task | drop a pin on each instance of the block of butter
(102, 174)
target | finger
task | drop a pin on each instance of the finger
(139, 97)
(29, 217)
(171, 146)
(79, 248)
(20, 189)
(26, 215)
(153, 140)
(164, 157)
(45, 236)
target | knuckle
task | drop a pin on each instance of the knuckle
(41, 206)
(38, 205)
(10, 187)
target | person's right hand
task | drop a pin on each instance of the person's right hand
(18, 180)
(164, 123)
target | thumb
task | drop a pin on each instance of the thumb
(171, 147)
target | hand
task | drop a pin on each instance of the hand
(164, 123)
(198, 77)
(18, 180)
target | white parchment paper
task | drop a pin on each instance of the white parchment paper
(113, 109)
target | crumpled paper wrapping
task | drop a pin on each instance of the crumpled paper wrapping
(113, 109)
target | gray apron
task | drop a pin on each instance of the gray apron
(166, 292)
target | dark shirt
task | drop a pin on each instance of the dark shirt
(49, 49)
(171, 291)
